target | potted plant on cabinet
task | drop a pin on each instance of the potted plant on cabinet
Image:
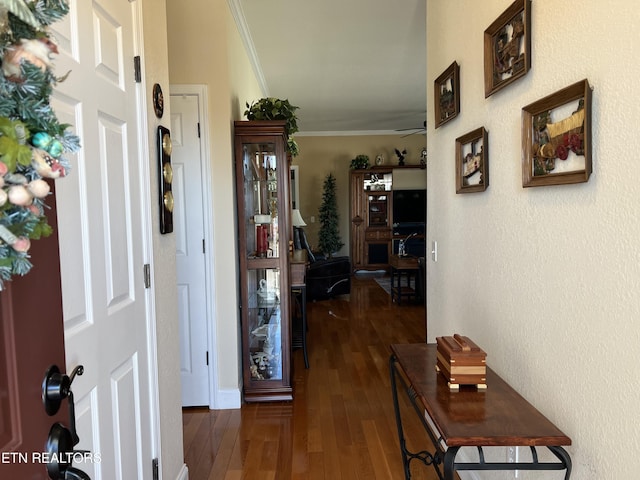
(270, 108)
(360, 162)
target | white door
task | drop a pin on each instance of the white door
(188, 223)
(100, 215)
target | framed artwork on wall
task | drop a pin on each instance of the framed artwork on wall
(507, 47)
(447, 95)
(556, 138)
(472, 161)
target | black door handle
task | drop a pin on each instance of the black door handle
(59, 447)
(56, 387)
(75, 474)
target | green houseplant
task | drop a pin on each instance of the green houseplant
(329, 237)
(270, 108)
(360, 162)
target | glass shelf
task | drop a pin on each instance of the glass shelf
(261, 200)
(264, 324)
(378, 210)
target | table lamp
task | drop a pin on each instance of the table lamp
(296, 218)
(298, 222)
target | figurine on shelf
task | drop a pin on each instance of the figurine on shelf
(401, 155)
(266, 296)
(255, 373)
(266, 332)
(261, 360)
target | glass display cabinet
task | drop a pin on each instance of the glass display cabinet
(262, 186)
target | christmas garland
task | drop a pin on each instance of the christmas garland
(33, 143)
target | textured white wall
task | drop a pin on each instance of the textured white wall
(156, 70)
(546, 279)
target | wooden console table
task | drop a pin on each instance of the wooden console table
(407, 267)
(498, 416)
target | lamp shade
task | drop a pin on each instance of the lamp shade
(296, 218)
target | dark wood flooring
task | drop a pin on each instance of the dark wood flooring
(341, 423)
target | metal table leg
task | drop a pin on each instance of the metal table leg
(423, 456)
(299, 292)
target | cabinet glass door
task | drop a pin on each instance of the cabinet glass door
(261, 200)
(378, 211)
(264, 324)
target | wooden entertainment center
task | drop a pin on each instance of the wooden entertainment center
(374, 233)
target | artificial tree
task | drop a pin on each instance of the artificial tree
(329, 236)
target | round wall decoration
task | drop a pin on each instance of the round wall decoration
(158, 100)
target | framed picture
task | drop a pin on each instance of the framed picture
(472, 161)
(556, 138)
(507, 47)
(447, 95)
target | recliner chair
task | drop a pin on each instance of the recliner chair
(326, 277)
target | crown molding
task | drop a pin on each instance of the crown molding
(353, 133)
(245, 35)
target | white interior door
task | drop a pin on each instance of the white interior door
(100, 215)
(188, 222)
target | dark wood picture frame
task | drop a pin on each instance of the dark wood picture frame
(556, 132)
(507, 47)
(447, 95)
(472, 161)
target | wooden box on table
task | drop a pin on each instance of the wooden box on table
(461, 362)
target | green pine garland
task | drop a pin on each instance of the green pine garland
(329, 236)
(29, 128)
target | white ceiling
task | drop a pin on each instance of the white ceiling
(350, 65)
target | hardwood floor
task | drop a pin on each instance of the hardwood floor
(340, 424)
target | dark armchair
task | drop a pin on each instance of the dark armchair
(326, 277)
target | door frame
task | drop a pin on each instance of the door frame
(200, 91)
(145, 165)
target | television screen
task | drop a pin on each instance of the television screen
(409, 206)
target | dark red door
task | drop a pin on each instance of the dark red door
(31, 339)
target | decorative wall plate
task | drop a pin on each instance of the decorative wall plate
(158, 100)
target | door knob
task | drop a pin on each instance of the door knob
(75, 474)
(56, 387)
(59, 446)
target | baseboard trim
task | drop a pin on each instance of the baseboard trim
(184, 473)
(227, 399)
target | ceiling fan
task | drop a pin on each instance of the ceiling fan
(413, 130)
